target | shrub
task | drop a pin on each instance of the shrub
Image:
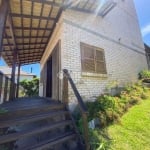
(105, 108)
(109, 109)
(102, 118)
(144, 74)
(99, 140)
(134, 100)
(144, 96)
(31, 87)
(124, 97)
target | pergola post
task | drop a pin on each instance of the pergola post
(3, 16)
(18, 80)
(12, 84)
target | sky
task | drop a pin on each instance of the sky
(33, 68)
(143, 13)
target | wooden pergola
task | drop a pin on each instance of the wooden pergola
(26, 27)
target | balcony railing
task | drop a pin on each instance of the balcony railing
(5, 83)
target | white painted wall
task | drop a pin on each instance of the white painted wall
(117, 33)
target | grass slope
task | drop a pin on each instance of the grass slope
(134, 131)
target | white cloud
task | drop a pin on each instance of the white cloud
(145, 30)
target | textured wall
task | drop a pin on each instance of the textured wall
(117, 33)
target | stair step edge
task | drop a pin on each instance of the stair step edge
(31, 118)
(15, 136)
(48, 143)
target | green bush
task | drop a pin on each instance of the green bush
(145, 74)
(108, 109)
(133, 94)
(144, 96)
(134, 100)
(31, 87)
(99, 140)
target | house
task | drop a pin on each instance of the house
(147, 50)
(23, 75)
(6, 72)
(97, 49)
(98, 42)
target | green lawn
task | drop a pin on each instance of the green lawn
(133, 133)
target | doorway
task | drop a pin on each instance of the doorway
(49, 78)
(53, 68)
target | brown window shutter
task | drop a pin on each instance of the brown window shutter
(100, 62)
(92, 59)
(99, 55)
(82, 57)
(87, 59)
(100, 67)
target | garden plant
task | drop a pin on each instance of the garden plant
(109, 110)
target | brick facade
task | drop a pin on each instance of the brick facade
(117, 33)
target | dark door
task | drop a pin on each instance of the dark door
(49, 78)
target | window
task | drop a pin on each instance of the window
(92, 59)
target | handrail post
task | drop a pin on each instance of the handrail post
(65, 90)
(82, 106)
(4, 87)
(85, 130)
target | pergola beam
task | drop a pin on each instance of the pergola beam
(39, 43)
(47, 2)
(3, 16)
(30, 58)
(28, 61)
(32, 62)
(25, 53)
(24, 61)
(18, 37)
(23, 56)
(26, 49)
(33, 17)
(28, 28)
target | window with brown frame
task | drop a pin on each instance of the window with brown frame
(92, 59)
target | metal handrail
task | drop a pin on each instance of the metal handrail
(81, 104)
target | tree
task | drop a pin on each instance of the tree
(31, 87)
